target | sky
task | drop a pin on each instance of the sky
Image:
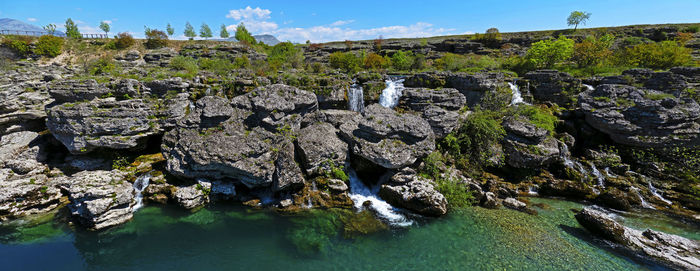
(323, 21)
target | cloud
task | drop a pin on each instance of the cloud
(108, 21)
(341, 22)
(249, 13)
(32, 19)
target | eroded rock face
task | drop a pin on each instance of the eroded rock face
(22, 195)
(193, 196)
(22, 109)
(642, 117)
(407, 190)
(671, 250)
(319, 145)
(528, 146)
(247, 140)
(553, 86)
(418, 99)
(99, 199)
(389, 139)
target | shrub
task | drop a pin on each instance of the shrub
(18, 44)
(540, 116)
(659, 55)
(220, 66)
(692, 29)
(49, 46)
(492, 37)
(546, 53)
(285, 54)
(124, 40)
(186, 64)
(456, 193)
(473, 144)
(242, 35)
(241, 62)
(401, 60)
(101, 66)
(455, 62)
(633, 41)
(593, 51)
(155, 39)
(348, 62)
(374, 61)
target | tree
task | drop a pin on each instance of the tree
(189, 31)
(578, 17)
(224, 33)
(170, 30)
(72, 30)
(205, 31)
(50, 28)
(155, 39)
(105, 27)
(546, 53)
(593, 51)
(242, 35)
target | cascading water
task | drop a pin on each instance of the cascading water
(360, 193)
(656, 194)
(356, 100)
(599, 177)
(391, 94)
(568, 162)
(517, 95)
(589, 87)
(644, 202)
(139, 185)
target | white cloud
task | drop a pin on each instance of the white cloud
(248, 13)
(341, 22)
(32, 19)
(108, 21)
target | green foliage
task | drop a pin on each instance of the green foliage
(578, 17)
(473, 144)
(170, 30)
(540, 116)
(49, 46)
(692, 29)
(101, 66)
(120, 163)
(223, 33)
(659, 55)
(242, 35)
(50, 28)
(186, 64)
(465, 63)
(72, 30)
(402, 60)
(123, 40)
(433, 164)
(18, 44)
(104, 26)
(496, 99)
(657, 96)
(220, 66)
(285, 54)
(546, 53)
(241, 62)
(492, 37)
(456, 193)
(155, 39)
(348, 62)
(633, 41)
(205, 31)
(189, 31)
(593, 51)
(374, 61)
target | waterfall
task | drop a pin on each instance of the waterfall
(644, 202)
(517, 95)
(532, 190)
(360, 193)
(568, 162)
(139, 185)
(391, 94)
(609, 174)
(656, 194)
(356, 100)
(588, 87)
(599, 177)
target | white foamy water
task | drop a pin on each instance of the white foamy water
(139, 185)
(589, 87)
(391, 94)
(656, 194)
(356, 101)
(360, 193)
(517, 95)
(599, 177)
(645, 204)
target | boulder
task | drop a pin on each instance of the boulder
(554, 86)
(528, 146)
(389, 139)
(68, 91)
(22, 109)
(414, 193)
(670, 250)
(193, 196)
(22, 195)
(642, 117)
(442, 121)
(318, 146)
(22, 152)
(418, 99)
(99, 199)
(514, 204)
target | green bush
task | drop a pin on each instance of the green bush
(455, 63)
(18, 44)
(540, 116)
(220, 66)
(546, 53)
(401, 60)
(692, 29)
(593, 51)
(123, 40)
(374, 61)
(348, 62)
(241, 62)
(186, 64)
(285, 54)
(101, 66)
(659, 55)
(492, 37)
(473, 144)
(155, 39)
(49, 46)
(456, 193)
(242, 35)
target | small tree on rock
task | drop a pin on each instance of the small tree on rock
(50, 28)
(105, 27)
(72, 29)
(578, 17)
(242, 35)
(170, 30)
(205, 31)
(189, 31)
(224, 33)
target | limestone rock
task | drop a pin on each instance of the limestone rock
(319, 145)
(417, 194)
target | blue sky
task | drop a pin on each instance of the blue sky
(318, 21)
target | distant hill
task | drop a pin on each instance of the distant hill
(266, 39)
(12, 24)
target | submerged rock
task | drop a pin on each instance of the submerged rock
(671, 250)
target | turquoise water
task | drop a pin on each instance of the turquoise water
(228, 237)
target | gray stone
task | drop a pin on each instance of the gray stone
(318, 146)
(193, 196)
(418, 195)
